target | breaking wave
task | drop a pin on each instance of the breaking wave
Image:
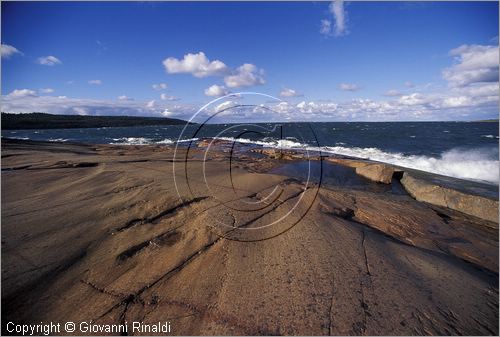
(479, 164)
(471, 164)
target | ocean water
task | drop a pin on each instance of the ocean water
(466, 150)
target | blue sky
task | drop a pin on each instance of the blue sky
(327, 61)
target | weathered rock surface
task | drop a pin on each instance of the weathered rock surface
(475, 205)
(112, 243)
(378, 172)
(354, 163)
(281, 154)
(381, 173)
(420, 225)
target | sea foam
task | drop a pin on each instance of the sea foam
(480, 164)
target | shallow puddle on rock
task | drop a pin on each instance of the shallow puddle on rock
(335, 175)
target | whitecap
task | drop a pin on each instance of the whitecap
(57, 140)
(473, 164)
(131, 141)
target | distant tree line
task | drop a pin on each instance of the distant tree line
(38, 120)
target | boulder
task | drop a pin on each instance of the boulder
(380, 173)
(422, 190)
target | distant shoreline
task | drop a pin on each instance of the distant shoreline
(39, 120)
(30, 121)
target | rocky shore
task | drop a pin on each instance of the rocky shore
(235, 241)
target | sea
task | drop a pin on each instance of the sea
(466, 150)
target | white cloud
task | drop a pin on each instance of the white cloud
(349, 87)
(200, 66)
(25, 100)
(197, 65)
(286, 92)
(7, 51)
(473, 64)
(339, 15)
(447, 105)
(166, 97)
(167, 113)
(475, 100)
(125, 98)
(95, 82)
(46, 90)
(160, 86)
(478, 90)
(216, 91)
(409, 84)
(48, 60)
(458, 101)
(393, 93)
(412, 99)
(19, 93)
(326, 27)
(226, 105)
(244, 76)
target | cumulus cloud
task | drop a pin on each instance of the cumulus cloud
(7, 51)
(197, 65)
(473, 64)
(448, 105)
(349, 87)
(415, 106)
(160, 86)
(19, 93)
(474, 100)
(25, 101)
(339, 15)
(46, 90)
(166, 97)
(125, 98)
(392, 93)
(412, 99)
(478, 90)
(457, 101)
(48, 60)
(95, 82)
(216, 91)
(244, 76)
(226, 105)
(200, 66)
(286, 92)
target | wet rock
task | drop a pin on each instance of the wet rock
(354, 163)
(380, 173)
(278, 154)
(213, 142)
(429, 192)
